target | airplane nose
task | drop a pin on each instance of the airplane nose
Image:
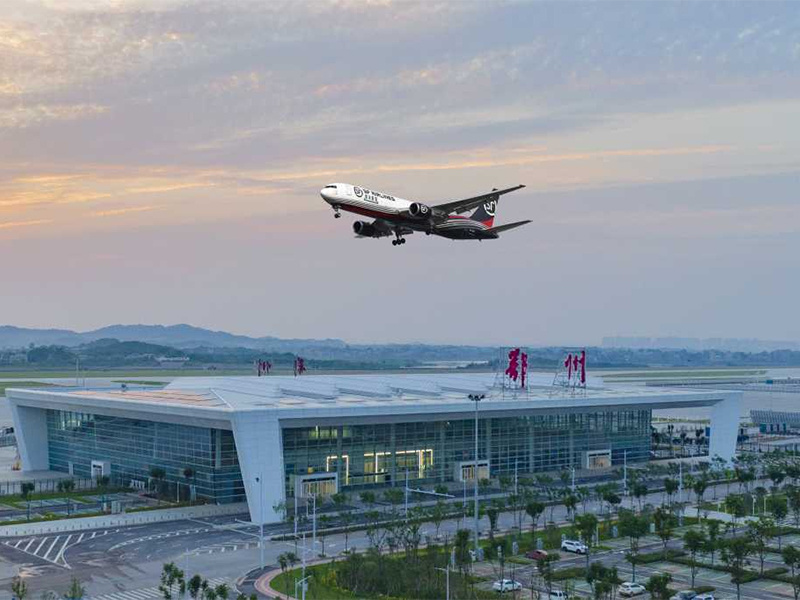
(327, 194)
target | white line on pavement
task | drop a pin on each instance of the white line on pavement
(50, 549)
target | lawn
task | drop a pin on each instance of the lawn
(20, 384)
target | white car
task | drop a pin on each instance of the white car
(629, 589)
(685, 595)
(558, 595)
(506, 585)
(708, 596)
(574, 546)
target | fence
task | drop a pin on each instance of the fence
(9, 488)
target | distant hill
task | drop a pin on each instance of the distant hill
(177, 336)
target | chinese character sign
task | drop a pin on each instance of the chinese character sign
(523, 369)
(513, 364)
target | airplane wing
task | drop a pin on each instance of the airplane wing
(506, 227)
(461, 206)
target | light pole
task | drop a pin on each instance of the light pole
(447, 580)
(476, 398)
(261, 519)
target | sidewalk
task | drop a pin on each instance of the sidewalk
(122, 520)
(691, 511)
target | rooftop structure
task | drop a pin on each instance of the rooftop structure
(274, 438)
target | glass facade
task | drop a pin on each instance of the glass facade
(133, 446)
(434, 451)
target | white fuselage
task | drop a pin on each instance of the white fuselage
(363, 201)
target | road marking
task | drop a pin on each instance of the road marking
(42, 547)
(148, 593)
(46, 554)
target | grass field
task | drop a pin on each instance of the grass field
(685, 374)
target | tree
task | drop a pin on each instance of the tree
(222, 591)
(699, 488)
(545, 567)
(658, 586)
(158, 474)
(26, 489)
(760, 533)
(639, 491)
(324, 524)
(283, 563)
(438, 512)
(633, 527)
(735, 553)
(694, 541)
(171, 576)
(19, 588)
(665, 523)
(791, 557)
(493, 513)
(188, 474)
(734, 504)
(670, 489)
(367, 498)
(587, 526)
(777, 506)
(462, 555)
(75, 591)
(534, 510)
(793, 497)
(712, 538)
(571, 504)
(194, 586)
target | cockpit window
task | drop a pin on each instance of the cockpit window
(329, 187)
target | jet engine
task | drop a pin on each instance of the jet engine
(364, 229)
(419, 211)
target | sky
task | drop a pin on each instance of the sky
(160, 162)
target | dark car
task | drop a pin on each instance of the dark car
(536, 554)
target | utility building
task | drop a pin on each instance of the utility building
(270, 439)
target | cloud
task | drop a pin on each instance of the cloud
(31, 223)
(123, 211)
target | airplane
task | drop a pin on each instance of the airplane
(398, 217)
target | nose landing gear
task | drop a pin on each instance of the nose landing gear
(336, 214)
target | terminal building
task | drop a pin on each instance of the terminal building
(270, 439)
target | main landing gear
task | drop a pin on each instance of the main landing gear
(336, 214)
(399, 240)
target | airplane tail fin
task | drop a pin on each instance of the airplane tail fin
(486, 211)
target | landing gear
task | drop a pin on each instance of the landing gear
(399, 240)
(336, 214)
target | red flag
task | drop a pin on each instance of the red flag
(568, 365)
(524, 369)
(513, 364)
(582, 362)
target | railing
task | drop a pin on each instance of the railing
(8, 488)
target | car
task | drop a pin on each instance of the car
(558, 595)
(708, 596)
(536, 554)
(574, 546)
(629, 589)
(506, 585)
(684, 595)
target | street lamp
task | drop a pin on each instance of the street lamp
(447, 580)
(260, 482)
(476, 398)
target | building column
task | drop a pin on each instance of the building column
(725, 427)
(259, 445)
(30, 428)
(340, 465)
(440, 461)
(392, 455)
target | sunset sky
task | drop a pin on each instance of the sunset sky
(160, 162)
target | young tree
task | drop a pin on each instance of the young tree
(188, 474)
(777, 506)
(324, 524)
(571, 504)
(222, 591)
(639, 491)
(670, 489)
(735, 553)
(694, 541)
(634, 527)
(367, 498)
(665, 523)
(194, 586)
(734, 504)
(658, 586)
(791, 557)
(171, 576)
(712, 538)
(760, 533)
(283, 563)
(75, 591)
(545, 566)
(534, 510)
(462, 555)
(699, 488)
(26, 489)
(793, 497)
(19, 588)
(438, 513)
(587, 526)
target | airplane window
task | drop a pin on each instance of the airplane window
(327, 187)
